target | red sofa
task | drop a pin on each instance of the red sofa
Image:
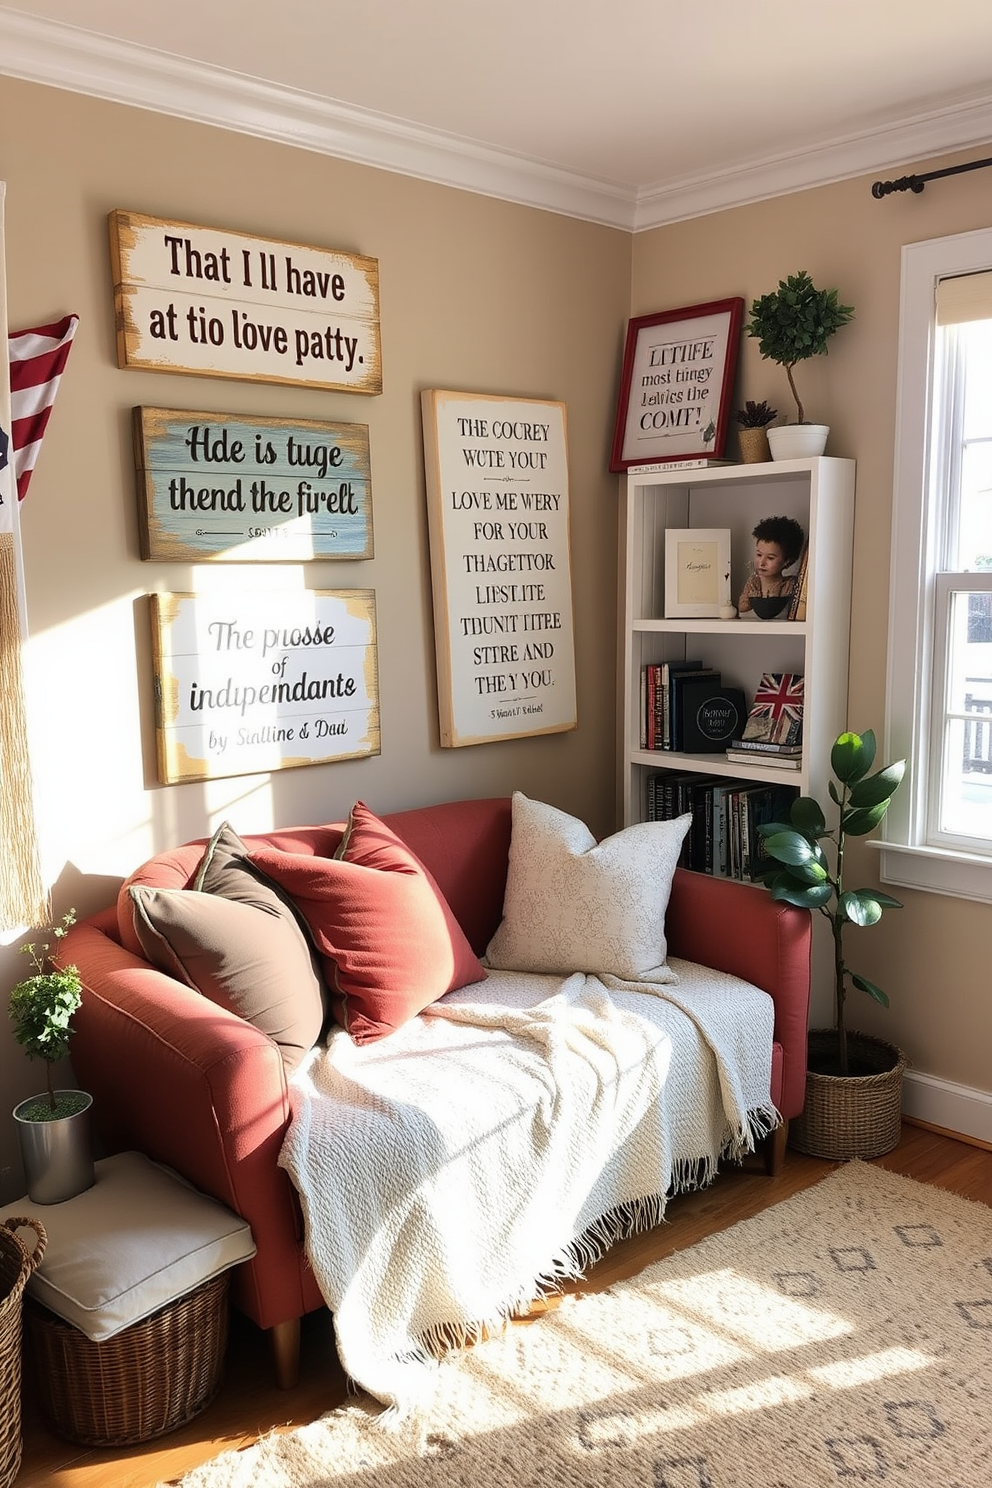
(193, 1086)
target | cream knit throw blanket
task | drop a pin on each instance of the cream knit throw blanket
(503, 1140)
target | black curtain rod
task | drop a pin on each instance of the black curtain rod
(916, 183)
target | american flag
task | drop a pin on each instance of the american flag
(37, 360)
(776, 716)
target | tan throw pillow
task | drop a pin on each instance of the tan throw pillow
(255, 964)
(575, 904)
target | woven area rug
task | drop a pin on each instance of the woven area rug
(842, 1337)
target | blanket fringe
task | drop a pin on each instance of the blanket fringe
(579, 1255)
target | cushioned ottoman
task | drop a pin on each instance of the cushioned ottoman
(126, 1317)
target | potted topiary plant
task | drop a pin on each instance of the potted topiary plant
(854, 1081)
(753, 420)
(53, 1127)
(792, 324)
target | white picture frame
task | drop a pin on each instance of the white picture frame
(697, 572)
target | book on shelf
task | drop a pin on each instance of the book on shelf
(723, 792)
(797, 606)
(777, 761)
(657, 682)
(669, 795)
(723, 837)
(763, 804)
(776, 715)
(762, 746)
(658, 467)
(711, 716)
(678, 680)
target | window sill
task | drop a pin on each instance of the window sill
(937, 870)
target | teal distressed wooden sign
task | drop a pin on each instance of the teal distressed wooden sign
(216, 487)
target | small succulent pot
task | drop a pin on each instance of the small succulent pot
(754, 446)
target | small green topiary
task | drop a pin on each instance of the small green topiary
(795, 322)
(42, 1005)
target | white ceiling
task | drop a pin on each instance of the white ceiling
(635, 113)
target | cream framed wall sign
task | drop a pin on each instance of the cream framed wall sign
(261, 682)
(676, 385)
(215, 303)
(234, 489)
(497, 496)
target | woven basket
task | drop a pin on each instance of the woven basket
(149, 1379)
(16, 1265)
(851, 1116)
(754, 446)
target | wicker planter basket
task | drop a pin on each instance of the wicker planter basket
(851, 1116)
(754, 446)
(149, 1379)
(16, 1265)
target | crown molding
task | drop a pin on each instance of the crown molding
(62, 56)
(884, 149)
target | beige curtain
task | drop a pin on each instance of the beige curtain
(964, 297)
(23, 898)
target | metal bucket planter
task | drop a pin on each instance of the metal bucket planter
(851, 1116)
(58, 1154)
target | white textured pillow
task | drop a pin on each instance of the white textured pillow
(573, 904)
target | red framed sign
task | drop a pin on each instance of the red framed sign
(676, 385)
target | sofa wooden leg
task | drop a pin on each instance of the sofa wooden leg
(286, 1352)
(775, 1144)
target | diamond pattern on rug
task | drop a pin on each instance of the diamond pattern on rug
(723, 1366)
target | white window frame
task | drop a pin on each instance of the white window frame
(907, 857)
(946, 586)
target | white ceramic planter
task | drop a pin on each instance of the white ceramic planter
(798, 441)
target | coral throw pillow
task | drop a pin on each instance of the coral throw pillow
(575, 904)
(388, 942)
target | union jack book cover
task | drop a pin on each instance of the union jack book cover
(776, 715)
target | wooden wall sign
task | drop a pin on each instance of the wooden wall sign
(215, 303)
(234, 489)
(497, 491)
(260, 682)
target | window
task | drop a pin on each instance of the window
(939, 712)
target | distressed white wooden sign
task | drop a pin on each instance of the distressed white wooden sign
(216, 303)
(497, 488)
(263, 682)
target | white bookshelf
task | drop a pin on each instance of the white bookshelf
(819, 494)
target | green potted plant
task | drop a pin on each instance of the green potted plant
(53, 1127)
(753, 420)
(793, 323)
(854, 1081)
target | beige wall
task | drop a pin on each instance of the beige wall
(932, 956)
(475, 295)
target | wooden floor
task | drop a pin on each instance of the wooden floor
(250, 1405)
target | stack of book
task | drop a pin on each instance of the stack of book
(723, 839)
(782, 756)
(773, 732)
(684, 706)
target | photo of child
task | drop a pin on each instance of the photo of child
(778, 545)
